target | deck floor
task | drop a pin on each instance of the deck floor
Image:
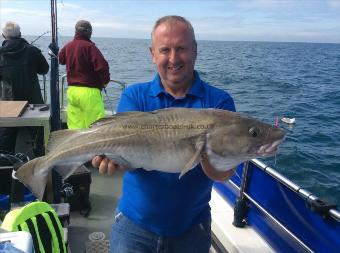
(104, 194)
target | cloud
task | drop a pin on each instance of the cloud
(12, 11)
(27, 19)
(64, 5)
(113, 25)
(333, 3)
(246, 19)
(266, 5)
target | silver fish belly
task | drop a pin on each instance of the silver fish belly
(169, 140)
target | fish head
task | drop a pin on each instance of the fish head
(242, 138)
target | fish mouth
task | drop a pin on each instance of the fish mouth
(269, 149)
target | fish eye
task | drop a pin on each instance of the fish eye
(253, 131)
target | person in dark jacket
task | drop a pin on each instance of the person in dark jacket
(87, 74)
(20, 63)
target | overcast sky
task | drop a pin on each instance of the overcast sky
(242, 20)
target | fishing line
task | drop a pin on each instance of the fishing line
(235, 172)
(39, 37)
(276, 125)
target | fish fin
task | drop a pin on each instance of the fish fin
(35, 182)
(110, 119)
(59, 137)
(195, 158)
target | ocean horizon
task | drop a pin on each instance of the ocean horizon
(31, 38)
(267, 80)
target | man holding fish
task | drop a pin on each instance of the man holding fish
(172, 155)
(157, 210)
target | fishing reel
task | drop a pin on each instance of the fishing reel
(67, 190)
(9, 158)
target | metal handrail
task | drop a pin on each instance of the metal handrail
(122, 86)
(269, 215)
(62, 91)
(44, 89)
(306, 195)
(277, 222)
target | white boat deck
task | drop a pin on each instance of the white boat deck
(231, 238)
(104, 195)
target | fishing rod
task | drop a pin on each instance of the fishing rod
(39, 37)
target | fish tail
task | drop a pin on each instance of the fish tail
(35, 182)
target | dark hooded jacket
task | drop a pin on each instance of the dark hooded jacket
(20, 63)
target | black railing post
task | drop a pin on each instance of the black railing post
(240, 208)
(54, 94)
(54, 81)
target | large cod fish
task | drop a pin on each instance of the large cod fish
(168, 140)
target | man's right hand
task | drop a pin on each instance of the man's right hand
(106, 166)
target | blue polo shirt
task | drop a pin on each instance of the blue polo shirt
(161, 202)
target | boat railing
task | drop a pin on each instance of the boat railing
(110, 100)
(285, 213)
(313, 201)
(316, 204)
(44, 88)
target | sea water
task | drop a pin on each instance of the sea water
(266, 80)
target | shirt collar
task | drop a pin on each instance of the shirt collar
(79, 36)
(196, 89)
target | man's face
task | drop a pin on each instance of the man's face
(174, 53)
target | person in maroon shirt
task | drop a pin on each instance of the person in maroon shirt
(87, 74)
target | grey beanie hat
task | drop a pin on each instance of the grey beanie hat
(11, 30)
(83, 26)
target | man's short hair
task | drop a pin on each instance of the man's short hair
(84, 27)
(173, 19)
(11, 30)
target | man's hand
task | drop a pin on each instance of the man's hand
(212, 173)
(106, 166)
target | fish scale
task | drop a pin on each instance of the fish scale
(169, 140)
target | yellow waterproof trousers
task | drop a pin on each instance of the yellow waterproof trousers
(84, 106)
